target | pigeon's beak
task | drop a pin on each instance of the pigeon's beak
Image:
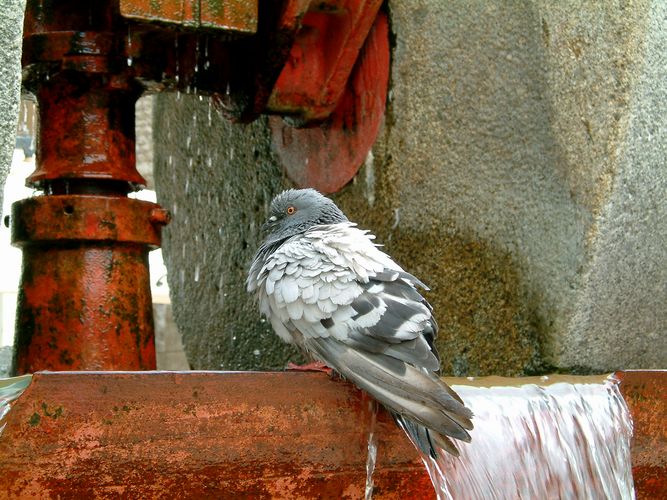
(269, 223)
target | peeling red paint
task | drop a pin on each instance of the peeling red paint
(239, 435)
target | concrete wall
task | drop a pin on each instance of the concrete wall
(11, 31)
(520, 173)
(217, 179)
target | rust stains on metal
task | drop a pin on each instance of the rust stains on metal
(84, 300)
(240, 435)
(232, 15)
(84, 305)
(200, 435)
(645, 393)
(87, 218)
(87, 129)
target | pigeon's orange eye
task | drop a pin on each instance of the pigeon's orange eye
(290, 210)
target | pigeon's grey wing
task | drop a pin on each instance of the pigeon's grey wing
(336, 295)
(388, 351)
(423, 405)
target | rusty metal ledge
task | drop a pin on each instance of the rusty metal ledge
(239, 435)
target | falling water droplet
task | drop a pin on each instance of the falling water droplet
(197, 56)
(197, 273)
(10, 390)
(177, 61)
(397, 218)
(129, 46)
(369, 166)
(372, 450)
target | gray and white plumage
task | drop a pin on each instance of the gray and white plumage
(326, 287)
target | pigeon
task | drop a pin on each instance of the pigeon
(326, 287)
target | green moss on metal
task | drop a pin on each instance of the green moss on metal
(34, 419)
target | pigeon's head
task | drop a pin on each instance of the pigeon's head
(296, 210)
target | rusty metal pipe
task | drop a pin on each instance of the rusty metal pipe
(84, 301)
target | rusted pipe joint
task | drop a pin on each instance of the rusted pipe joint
(61, 218)
(85, 300)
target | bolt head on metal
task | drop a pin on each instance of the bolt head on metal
(160, 216)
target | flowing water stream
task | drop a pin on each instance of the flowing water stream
(10, 389)
(372, 450)
(562, 441)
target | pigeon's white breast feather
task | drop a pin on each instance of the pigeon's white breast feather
(317, 275)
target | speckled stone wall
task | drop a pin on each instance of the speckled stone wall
(11, 30)
(519, 172)
(217, 180)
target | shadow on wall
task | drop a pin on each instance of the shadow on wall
(485, 325)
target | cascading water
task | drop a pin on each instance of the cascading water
(10, 389)
(561, 441)
(372, 451)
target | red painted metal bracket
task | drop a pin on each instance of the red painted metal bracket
(322, 57)
(328, 154)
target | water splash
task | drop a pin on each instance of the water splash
(10, 390)
(129, 46)
(563, 440)
(372, 450)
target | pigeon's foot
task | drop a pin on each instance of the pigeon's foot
(313, 366)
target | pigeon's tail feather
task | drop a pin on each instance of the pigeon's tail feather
(422, 403)
(429, 442)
